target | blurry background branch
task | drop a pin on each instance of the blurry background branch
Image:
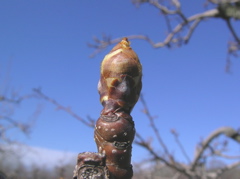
(227, 10)
(196, 167)
(8, 105)
(89, 122)
(228, 131)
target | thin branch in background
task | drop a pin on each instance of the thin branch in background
(8, 123)
(228, 64)
(168, 24)
(176, 136)
(17, 100)
(167, 11)
(224, 9)
(232, 31)
(100, 45)
(229, 132)
(233, 47)
(179, 27)
(89, 122)
(218, 145)
(25, 128)
(199, 158)
(214, 151)
(220, 154)
(191, 30)
(141, 142)
(153, 125)
(163, 9)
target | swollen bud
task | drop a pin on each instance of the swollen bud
(120, 82)
(119, 88)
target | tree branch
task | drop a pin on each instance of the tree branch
(233, 31)
(229, 132)
(162, 8)
(220, 154)
(180, 146)
(14, 124)
(15, 101)
(170, 162)
(195, 19)
(89, 122)
(153, 126)
(141, 142)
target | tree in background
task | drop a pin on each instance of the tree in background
(180, 27)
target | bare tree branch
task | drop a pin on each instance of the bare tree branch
(194, 169)
(170, 161)
(89, 122)
(162, 8)
(229, 132)
(191, 29)
(180, 145)
(8, 104)
(25, 128)
(224, 9)
(141, 142)
(17, 100)
(153, 126)
(233, 31)
(219, 153)
(196, 19)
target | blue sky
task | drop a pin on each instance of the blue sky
(44, 44)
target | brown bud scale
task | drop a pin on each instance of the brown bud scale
(120, 82)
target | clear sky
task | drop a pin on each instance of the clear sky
(44, 44)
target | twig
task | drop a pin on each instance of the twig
(232, 31)
(89, 123)
(141, 142)
(23, 127)
(191, 29)
(179, 27)
(16, 101)
(218, 153)
(197, 18)
(229, 132)
(153, 126)
(180, 146)
(162, 8)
